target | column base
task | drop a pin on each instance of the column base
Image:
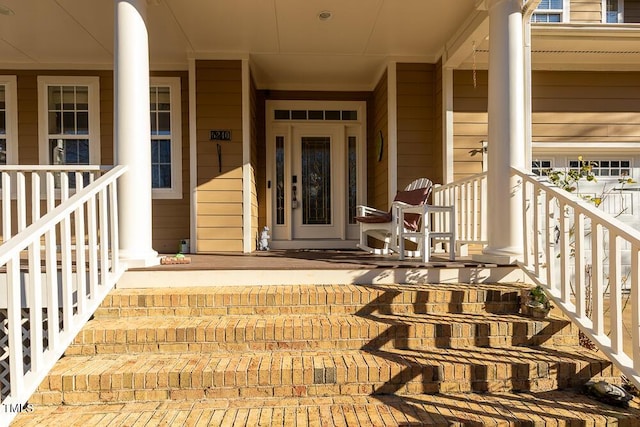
(501, 257)
(139, 259)
(495, 259)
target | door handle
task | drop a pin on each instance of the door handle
(294, 199)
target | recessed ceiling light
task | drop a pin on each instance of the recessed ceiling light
(325, 15)
(4, 10)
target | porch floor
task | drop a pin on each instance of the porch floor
(302, 259)
(285, 267)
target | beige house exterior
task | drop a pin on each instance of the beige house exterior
(421, 115)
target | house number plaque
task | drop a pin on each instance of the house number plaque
(220, 135)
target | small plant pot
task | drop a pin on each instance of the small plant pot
(539, 313)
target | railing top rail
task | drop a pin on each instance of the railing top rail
(27, 236)
(623, 230)
(441, 187)
(53, 168)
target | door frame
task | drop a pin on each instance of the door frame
(283, 237)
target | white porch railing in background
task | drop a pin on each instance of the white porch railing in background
(70, 257)
(468, 196)
(567, 242)
(35, 190)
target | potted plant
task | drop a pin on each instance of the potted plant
(538, 303)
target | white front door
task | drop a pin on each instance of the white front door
(316, 174)
(318, 182)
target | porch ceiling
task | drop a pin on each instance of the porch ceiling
(288, 44)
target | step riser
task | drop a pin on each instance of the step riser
(319, 299)
(431, 308)
(497, 335)
(245, 381)
(400, 343)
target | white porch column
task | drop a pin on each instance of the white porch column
(132, 131)
(506, 145)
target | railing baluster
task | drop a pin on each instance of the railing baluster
(635, 306)
(51, 191)
(579, 272)
(549, 242)
(615, 293)
(21, 201)
(113, 227)
(51, 266)
(103, 234)
(14, 328)
(597, 287)
(34, 294)
(526, 224)
(92, 230)
(35, 197)
(484, 210)
(67, 273)
(536, 227)
(565, 253)
(6, 206)
(81, 279)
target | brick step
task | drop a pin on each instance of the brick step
(314, 299)
(177, 376)
(555, 408)
(256, 333)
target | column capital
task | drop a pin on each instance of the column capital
(515, 4)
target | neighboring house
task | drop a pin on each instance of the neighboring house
(270, 113)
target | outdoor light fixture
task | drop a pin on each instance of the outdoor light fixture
(325, 15)
(4, 10)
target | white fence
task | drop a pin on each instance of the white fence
(54, 273)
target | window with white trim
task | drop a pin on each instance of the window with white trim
(613, 11)
(618, 168)
(541, 167)
(551, 11)
(166, 138)
(8, 121)
(69, 121)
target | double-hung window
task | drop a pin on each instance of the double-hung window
(551, 11)
(8, 121)
(166, 138)
(69, 121)
(613, 11)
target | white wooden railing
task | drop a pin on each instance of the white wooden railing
(54, 273)
(468, 196)
(30, 191)
(565, 238)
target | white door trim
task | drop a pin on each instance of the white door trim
(282, 234)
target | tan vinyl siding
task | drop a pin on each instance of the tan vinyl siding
(589, 107)
(219, 106)
(377, 171)
(470, 121)
(568, 106)
(418, 153)
(586, 11)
